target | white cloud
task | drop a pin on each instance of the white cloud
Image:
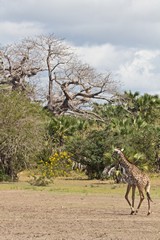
(141, 72)
(138, 70)
(104, 57)
(14, 31)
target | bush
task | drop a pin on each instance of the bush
(59, 164)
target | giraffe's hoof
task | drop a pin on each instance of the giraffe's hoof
(132, 212)
(148, 213)
(136, 212)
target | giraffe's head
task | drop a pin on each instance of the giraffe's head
(116, 150)
(116, 153)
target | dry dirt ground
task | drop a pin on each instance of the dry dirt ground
(28, 214)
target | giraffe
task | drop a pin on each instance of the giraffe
(135, 178)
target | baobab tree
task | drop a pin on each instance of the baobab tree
(72, 85)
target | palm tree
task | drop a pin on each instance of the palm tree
(61, 128)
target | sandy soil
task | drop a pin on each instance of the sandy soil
(26, 215)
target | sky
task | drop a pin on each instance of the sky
(117, 36)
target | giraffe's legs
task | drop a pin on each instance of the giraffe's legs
(141, 199)
(126, 196)
(147, 189)
(133, 198)
(127, 193)
(149, 206)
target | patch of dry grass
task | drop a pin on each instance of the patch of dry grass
(82, 186)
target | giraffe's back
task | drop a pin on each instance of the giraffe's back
(137, 177)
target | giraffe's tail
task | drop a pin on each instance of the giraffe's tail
(148, 192)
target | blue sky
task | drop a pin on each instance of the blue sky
(119, 36)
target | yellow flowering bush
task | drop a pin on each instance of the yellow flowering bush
(59, 164)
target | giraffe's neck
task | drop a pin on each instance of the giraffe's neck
(124, 162)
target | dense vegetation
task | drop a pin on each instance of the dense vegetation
(132, 124)
(29, 135)
(48, 139)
